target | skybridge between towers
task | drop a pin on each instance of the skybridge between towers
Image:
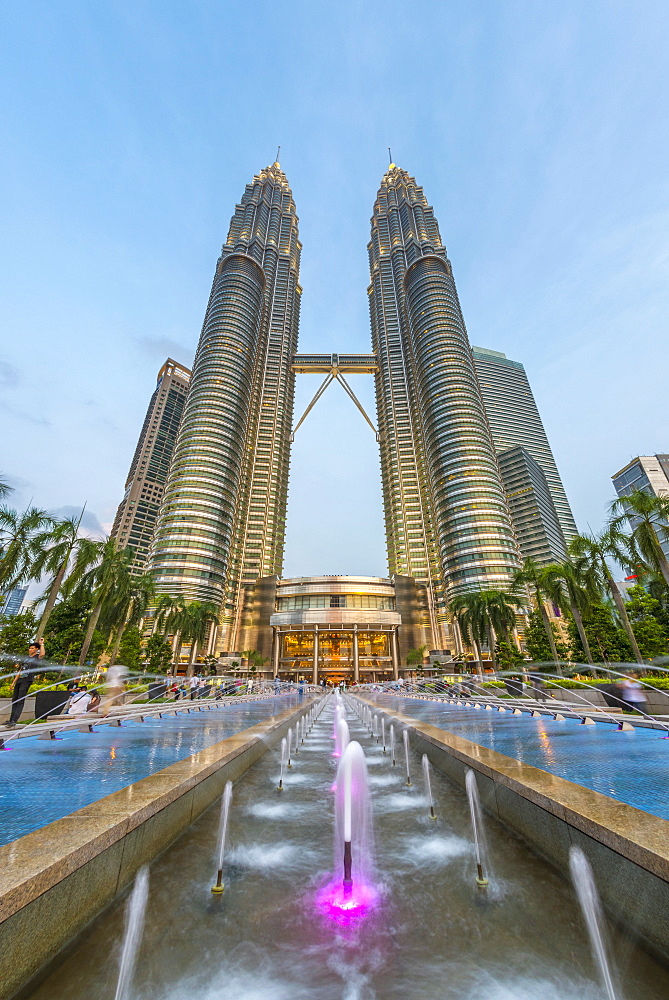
(334, 367)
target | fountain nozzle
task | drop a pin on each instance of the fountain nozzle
(219, 887)
(348, 881)
(481, 880)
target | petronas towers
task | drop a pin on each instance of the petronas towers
(222, 522)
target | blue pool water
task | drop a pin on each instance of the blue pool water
(632, 767)
(44, 780)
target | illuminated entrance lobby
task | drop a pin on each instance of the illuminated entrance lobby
(333, 628)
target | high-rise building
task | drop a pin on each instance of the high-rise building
(532, 509)
(514, 420)
(649, 473)
(138, 511)
(12, 600)
(446, 513)
(222, 522)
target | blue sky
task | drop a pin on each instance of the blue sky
(538, 130)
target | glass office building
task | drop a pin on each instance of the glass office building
(649, 473)
(532, 509)
(137, 514)
(514, 420)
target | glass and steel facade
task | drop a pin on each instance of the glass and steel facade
(447, 519)
(514, 420)
(336, 627)
(137, 514)
(222, 522)
(532, 509)
(649, 473)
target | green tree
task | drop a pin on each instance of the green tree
(17, 631)
(254, 659)
(596, 550)
(157, 655)
(648, 516)
(646, 615)
(573, 587)
(66, 629)
(211, 662)
(484, 615)
(130, 649)
(539, 582)
(18, 535)
(192, 622)
(128, 611)
(108, 582)
(607, 641)
(56, 553)
(416, 656)
(508, 655)
(5, 488)
(537, 644)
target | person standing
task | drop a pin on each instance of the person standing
(194, 684)
(23, 679)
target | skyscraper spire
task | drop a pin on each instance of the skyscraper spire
(447, 521)
(222, 522)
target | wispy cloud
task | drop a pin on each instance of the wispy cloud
(89, 522)
(10, 376)
(164, 347)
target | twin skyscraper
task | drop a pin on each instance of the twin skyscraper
(448, 511)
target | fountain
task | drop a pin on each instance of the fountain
(289, 741)
(405, 737)
(222, 830)
(284, 754)
(477, 827)
(392, 745)
(351, 893)
(588, 898)
(428, 785)
(383, 732)
(134, 925)
(343, 738)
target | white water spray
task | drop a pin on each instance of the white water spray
(134, 926)
(588, 897)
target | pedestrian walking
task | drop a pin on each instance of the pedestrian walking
(23, 679)
(115, 687)
(193, 684)
(633, 694)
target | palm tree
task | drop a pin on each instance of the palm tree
(56, 549)
(648, 516)
(469, 615)
(486, 614)
(416, 656)
(108, 582)
(192, 621)
(595, 550)
(130, 609)
(538, 580)
(5, 488)
(573, 585)
(18, 535)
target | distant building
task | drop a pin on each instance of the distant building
(12, 600)
(532, 509)
(514, 420)
(137, 513)
(649, 473)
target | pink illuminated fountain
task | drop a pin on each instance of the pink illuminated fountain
(351, 893)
